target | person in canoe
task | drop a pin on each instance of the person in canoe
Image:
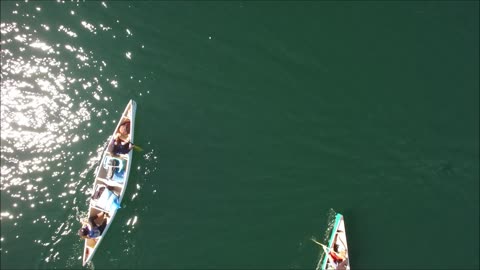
(338, 254)
(121, 141)
(90, 229)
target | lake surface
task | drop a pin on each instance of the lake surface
(258, 121)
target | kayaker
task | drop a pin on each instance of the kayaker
(90, 229)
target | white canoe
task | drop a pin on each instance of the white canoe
(114, 178)
(336, 253)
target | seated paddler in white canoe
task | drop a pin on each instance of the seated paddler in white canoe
(102, 198)
(91, 229)
(120, 143)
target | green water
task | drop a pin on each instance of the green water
(256, 120)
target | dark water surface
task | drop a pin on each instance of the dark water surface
(256, 119)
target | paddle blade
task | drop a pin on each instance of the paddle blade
(137, 148)
(318, 243)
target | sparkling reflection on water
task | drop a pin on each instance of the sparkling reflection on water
(52, 86)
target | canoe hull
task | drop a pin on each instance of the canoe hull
(117, 183)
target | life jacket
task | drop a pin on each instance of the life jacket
(335, 256)
(93, 232)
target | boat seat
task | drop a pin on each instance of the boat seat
(111, 183)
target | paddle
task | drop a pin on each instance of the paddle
(325, 248)
(316, 242)
(137, 148)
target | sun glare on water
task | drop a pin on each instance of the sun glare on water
(56, 93)
(51, 89)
